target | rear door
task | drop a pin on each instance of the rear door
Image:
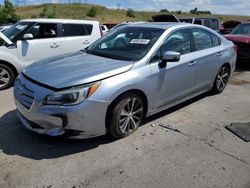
(175, 80)
(76, 36)
(44, 44)
(209, 54)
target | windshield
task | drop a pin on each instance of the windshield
(127, 43)
(14, 31)
(243, 29)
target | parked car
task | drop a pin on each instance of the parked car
(240, 36)
(110, 88)
(104, 29)
(35, 39)
(165, 18)
(229, 26)
(212, 23)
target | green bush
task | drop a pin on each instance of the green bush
(44, 12)
(92, 12)
(7, 13)
(130, 13)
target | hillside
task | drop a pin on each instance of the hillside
(79, 11)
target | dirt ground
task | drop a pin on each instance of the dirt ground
(185, 146)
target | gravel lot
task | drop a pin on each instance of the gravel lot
(202, 153)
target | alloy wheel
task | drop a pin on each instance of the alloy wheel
(222, 78)
(4, 77)
(131, 116)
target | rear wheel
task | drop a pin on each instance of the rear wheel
(126, 116)
(7, 76)
(221, 79)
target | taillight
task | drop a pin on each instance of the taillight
(235, 48)
(101, 31)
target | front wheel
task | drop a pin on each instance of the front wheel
(126, 116)
(7, 76)
(221, 79)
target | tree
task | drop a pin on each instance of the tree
(92, 12)
(194, 11)
(8, 13)
(164, 11)
(130, 13)
(44, 11)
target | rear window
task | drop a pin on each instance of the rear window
(70, 30)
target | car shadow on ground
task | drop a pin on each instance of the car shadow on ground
(16, 140)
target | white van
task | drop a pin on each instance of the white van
(34, 39)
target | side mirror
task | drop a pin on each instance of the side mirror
(28, 36)
(171, 56)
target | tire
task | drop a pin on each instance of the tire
(221, 79)
(124, 119)
(7, 76)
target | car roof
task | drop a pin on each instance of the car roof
(160, 25)
(199, 18)
(49, 20)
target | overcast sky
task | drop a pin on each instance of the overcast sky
(232, 7)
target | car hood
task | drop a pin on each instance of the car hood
(238, 38)
(75, 69)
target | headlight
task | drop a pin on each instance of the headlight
(71, 96)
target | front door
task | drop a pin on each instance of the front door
(43, 43)
(176, 79)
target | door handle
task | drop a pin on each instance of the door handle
(219, 54)
(54, 45)
(86, 42)
(193, 63)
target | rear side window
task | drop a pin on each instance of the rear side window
(214, 24)
(207, 23)
(198, 22)
(70, 30)
(202, 39)
(215, 40)
(179, 41)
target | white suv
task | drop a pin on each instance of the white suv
(34, 39)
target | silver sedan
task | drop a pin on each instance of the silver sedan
(131, 73)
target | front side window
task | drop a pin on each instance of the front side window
(179, 41)
(126, 43)
(70, 30)
(43, 31)
(202, 39)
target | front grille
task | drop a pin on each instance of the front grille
(23, 94)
